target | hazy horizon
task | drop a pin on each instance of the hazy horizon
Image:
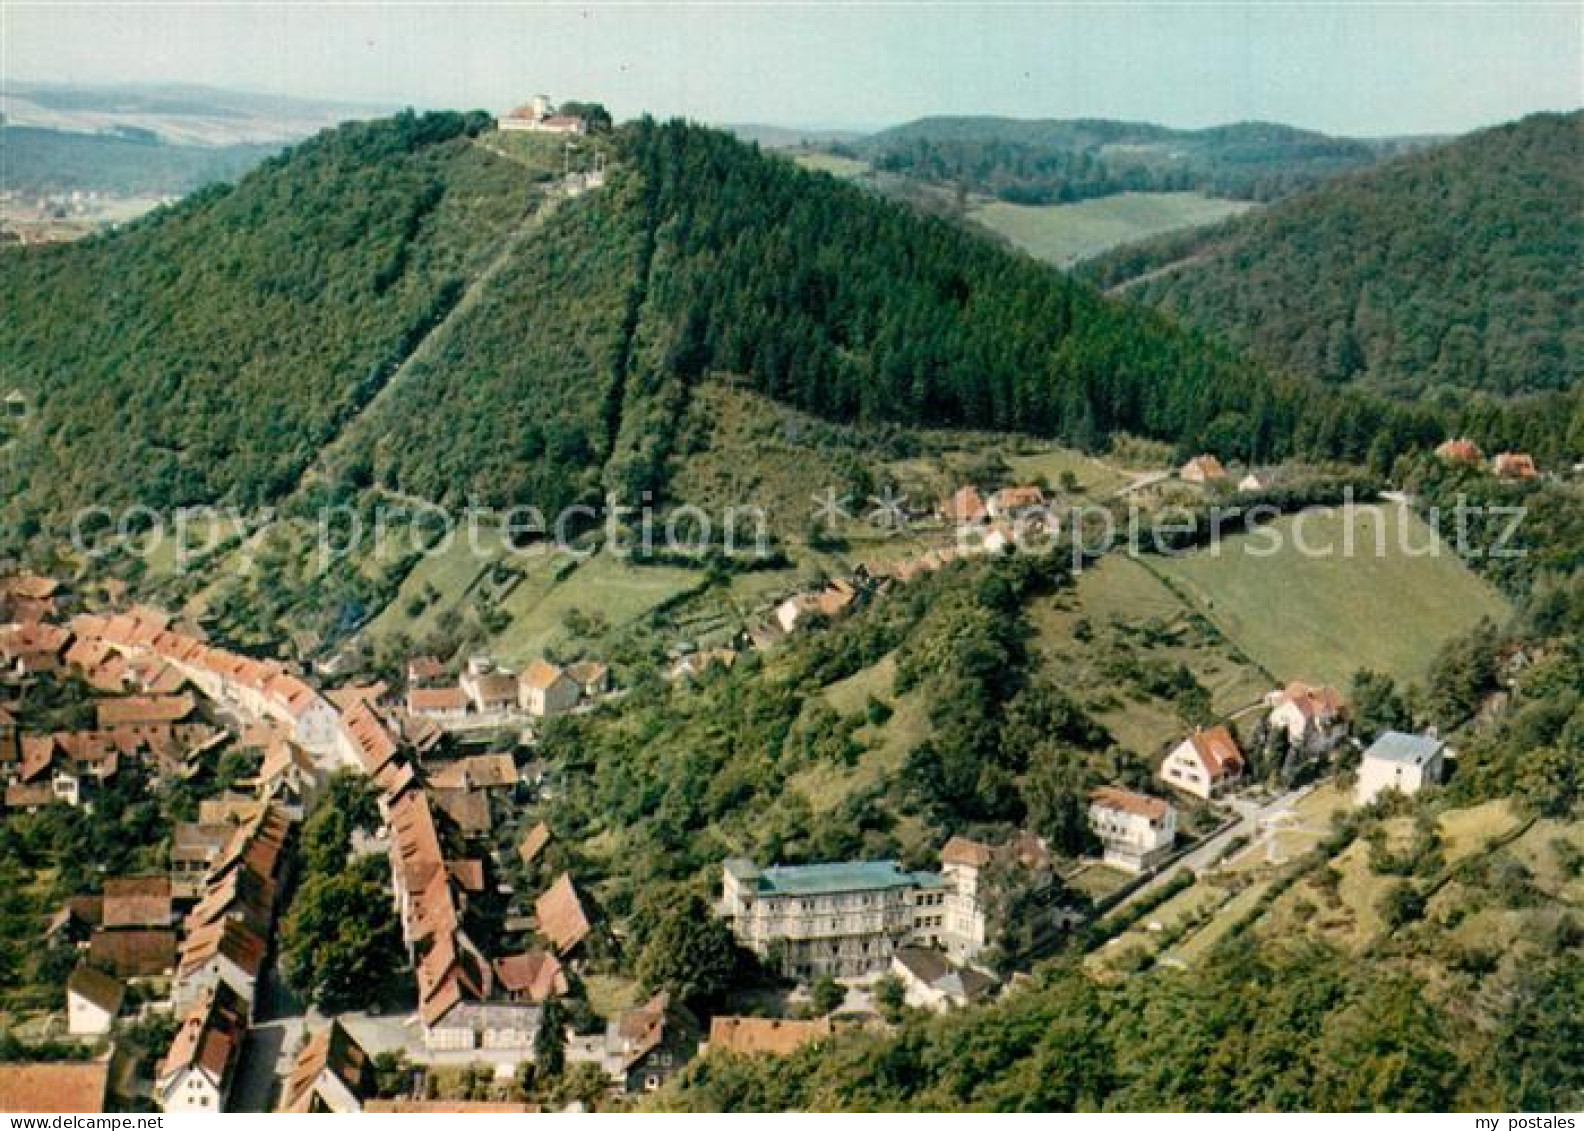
(1383, 69)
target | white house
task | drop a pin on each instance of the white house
(502, 1027)
(1136, 830)
(199, 1069)
(93, 998)
(841, 919)
(1311, 717)
(488, 688)
(1404, 762)
(1204, 764)
(962, 862)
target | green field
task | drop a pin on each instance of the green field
(1066, 233)
(844, 167)
(1321, 617)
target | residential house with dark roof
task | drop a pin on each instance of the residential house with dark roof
(138, 901)
(133, 952)
(932, 981)
(93, 999)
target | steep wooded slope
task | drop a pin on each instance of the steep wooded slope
(210, 350)
(1454, 268)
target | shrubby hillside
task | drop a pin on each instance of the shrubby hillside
(1455, 269)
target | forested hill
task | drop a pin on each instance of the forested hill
(1456, 268)
(1040, 161)
(207, 351)
(707, 256)
(213, 351)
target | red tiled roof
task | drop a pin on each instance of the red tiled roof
(333, 1050)
(1514, 465)
(561, 916)
(1460, 451)
(774, 1036)
(968, 853)
(373, 743)
(1217, 751)
(421, 700)
(1126, 801)
(1314, 702)
(210, 1037)
(1205, 466)
(541, 674)
(415, 842)
(226, 938)
(1011, 498)
(965, 505)
(145, 709)
(54, 1086)
(533, 843)
(467, 874)
(536, 975)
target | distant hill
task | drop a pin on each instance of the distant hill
(789, 137)
(1025, 161)
(1458, 268)
(176, 113)
(128, 162)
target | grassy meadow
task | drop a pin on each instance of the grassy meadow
(1063, 234)
(1322, 617)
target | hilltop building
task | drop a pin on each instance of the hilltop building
(539, 116)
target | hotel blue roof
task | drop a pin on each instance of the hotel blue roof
(830, 879)
(1409, 749)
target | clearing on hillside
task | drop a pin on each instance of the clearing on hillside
(1321, 616)
(1063, 234)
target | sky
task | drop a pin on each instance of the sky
(1349, 68)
